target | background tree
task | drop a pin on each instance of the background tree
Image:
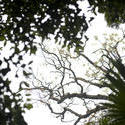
(10, 106)
(97, 97)
(113, 10)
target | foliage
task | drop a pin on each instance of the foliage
(27, 18)
(10, 106)
(22, 20)
(11, 102)
(114, 10)
(116, 109)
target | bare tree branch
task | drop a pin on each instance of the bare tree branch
(82, 96)
(92, 83)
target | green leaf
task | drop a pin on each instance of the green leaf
(30, 62)
(28, 106)
(33, 50)
(28, 99)
(23, 83)
(28, 94)
(5, 42)
(17, 50)
(23, 65)
(26, 74)
(26, 84)
(2, 38)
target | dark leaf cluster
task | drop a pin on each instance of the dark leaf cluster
(10, 108)
(114, 10)
(27, 18)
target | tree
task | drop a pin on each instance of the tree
(26, 19)
(97, 97)
(21, 21)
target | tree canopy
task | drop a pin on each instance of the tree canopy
(25, 19)
(64, 19)
(22, 20)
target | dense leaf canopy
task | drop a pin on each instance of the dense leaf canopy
(114, 10)
(64, 19)
(27, 18)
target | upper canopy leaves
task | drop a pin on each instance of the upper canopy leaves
(26, 18)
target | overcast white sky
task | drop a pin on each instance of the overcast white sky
(40, 114)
